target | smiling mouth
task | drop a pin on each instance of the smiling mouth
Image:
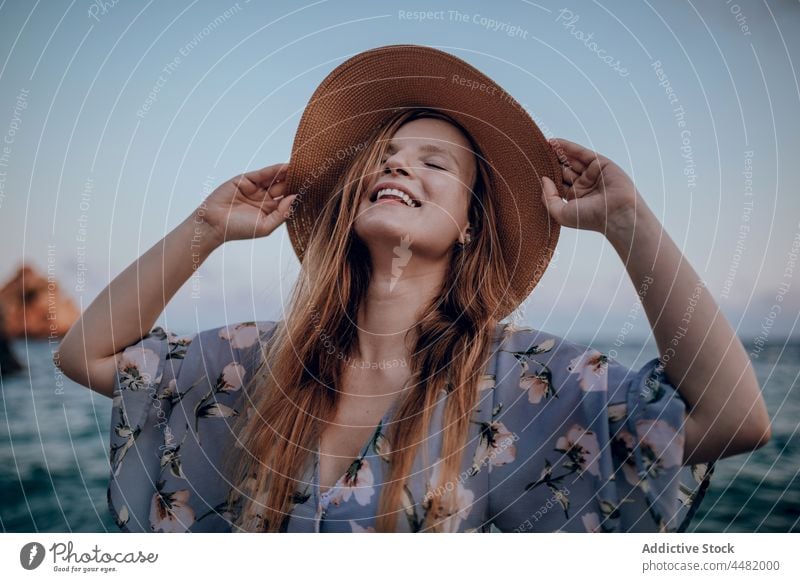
(394, 195)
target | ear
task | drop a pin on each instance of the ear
(466, 235)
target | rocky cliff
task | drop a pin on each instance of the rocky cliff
(34, 306)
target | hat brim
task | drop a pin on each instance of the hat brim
(362, 92)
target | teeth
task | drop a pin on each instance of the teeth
(398, 193)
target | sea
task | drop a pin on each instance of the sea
(54, 440)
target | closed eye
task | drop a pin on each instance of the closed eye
(383, 161)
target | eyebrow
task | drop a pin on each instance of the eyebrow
(430, 148)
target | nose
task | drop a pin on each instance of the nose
(394, 163)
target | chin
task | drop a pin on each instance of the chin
(381, 228)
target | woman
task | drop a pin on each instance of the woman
(390, 398)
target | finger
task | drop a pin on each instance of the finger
(268, 204)
(265, 177)
(571, 191)
(285, 204)
(573, 163)
(568, 161)
(268, 222)
(590, 179)
(267, 195)
(564, 212)
(570, 175)
(277, 190)
(594, 170)
(569, 178)
(574, 150)
(552, 199)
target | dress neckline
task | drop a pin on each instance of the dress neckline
(322, 498)
(364, 450)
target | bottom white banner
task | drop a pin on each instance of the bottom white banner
(352, 557)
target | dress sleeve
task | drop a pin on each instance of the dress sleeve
(141, 404)
(646, 416)
(594, 447)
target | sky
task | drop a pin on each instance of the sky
(117, 118)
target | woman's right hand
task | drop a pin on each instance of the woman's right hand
(250, 205)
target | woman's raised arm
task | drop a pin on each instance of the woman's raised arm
(700, 352)
(250, 205)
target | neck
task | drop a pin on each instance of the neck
(392, 307)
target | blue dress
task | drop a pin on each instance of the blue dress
(563, 438)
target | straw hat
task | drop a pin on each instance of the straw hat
(357, 97)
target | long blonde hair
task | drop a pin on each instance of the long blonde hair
(293, 392)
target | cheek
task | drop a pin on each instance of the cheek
(449, 196)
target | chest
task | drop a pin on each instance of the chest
(359, 412)
(350, 472)
(339, 447)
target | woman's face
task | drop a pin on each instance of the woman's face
(431, 161)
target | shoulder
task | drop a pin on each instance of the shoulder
(161, 356)
(516, 336)
(244, 334)
(544, 363)
(242, 343)
(522, 344)
(237, 336)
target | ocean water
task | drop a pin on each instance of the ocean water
(757, 491)
(54, 451)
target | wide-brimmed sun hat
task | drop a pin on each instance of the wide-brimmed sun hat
(359, 95)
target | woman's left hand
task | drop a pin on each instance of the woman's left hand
(600, 196)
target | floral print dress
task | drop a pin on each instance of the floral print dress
(563, 438)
